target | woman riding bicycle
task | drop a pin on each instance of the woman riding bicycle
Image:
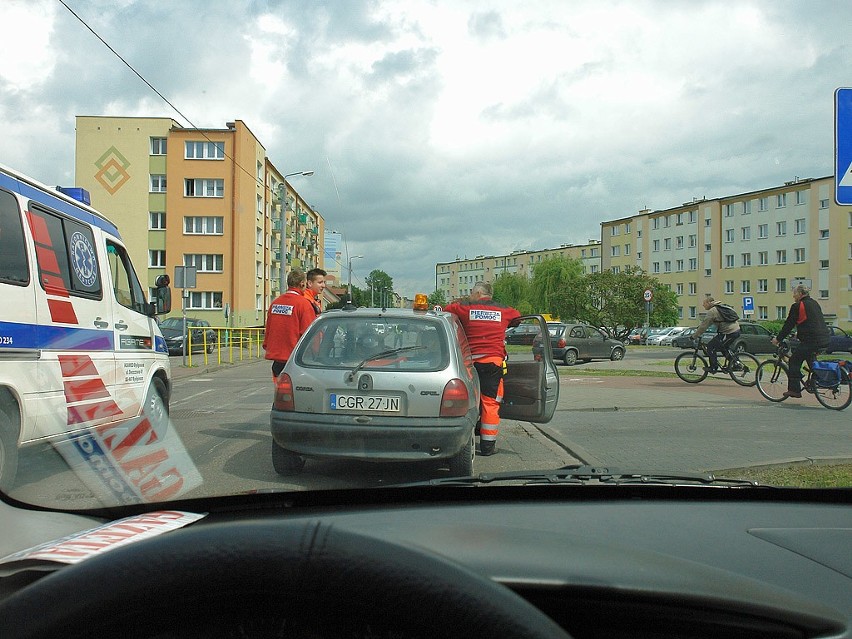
(812, 332)
(726, 332)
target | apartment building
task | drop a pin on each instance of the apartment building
(208, 198)
(456, 279)
(752, 246)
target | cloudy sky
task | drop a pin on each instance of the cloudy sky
(444, 129)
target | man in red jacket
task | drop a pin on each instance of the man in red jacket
(314, 288)
(289, 315)
(485, 322)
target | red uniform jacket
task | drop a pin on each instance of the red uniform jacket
(314, 300)
(485, 323)
(289, 315)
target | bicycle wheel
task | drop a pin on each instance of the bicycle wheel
(742, 367)
(837, 397)
(771, 378)
(691, 367)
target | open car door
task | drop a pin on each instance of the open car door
(531, 383)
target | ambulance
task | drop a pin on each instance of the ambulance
(80, 350)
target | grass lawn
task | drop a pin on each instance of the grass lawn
(799, 475)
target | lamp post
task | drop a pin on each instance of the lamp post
(282, 274)
(354, 257)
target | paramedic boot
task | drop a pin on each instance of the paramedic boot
(487, 447)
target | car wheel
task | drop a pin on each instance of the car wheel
(8, 449)
(570, 358)
(156, 408)
(739, 347)
(286, 463)
(617, 354)
(461, 464)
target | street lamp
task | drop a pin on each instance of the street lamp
(354, 257)
(282, 275)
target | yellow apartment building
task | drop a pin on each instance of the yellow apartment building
(208, 198)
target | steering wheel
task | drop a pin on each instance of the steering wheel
(257, 578)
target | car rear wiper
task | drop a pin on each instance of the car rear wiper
(351, 375)
(599, 475)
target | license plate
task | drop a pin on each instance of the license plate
(379, 403)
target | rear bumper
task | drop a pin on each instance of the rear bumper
(375, 438)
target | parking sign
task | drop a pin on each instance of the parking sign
(843, 146)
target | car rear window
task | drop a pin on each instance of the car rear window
(412, 344)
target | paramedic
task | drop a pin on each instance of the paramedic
(289, 315)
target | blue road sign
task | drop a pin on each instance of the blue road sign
(843, 146)
(748, 304)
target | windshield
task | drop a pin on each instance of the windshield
(325, 188)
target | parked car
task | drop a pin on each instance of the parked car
(684, 340)
(754, 338)
(840, 341)
(202, 336)
(393, 386)
(651, 332)
(522, 334)
(654, 339)
(666, 340)
(636, 336)
(573, 342)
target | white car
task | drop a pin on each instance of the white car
(655, 340)
(666, 339)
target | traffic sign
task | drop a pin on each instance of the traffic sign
(748, 306)
(648, 295)
(843, 146)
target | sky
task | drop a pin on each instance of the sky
(440, 130)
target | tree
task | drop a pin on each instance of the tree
(512, 289)
(381, 287)
(614, 302)
(551, 276)
(437, 298)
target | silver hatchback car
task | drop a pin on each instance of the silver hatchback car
(392, 385)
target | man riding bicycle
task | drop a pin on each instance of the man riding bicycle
(806, 317)
(726, 332)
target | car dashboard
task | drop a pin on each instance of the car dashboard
(599, 561)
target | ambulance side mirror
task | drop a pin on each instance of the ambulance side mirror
(162, 302)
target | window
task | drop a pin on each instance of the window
(763, 258)
(708, 222)
(613, 231)
(762, 231)
(800, 226)
(823, 294)
(729, 286)
(801, 197)
(693, 241)
(158, 184)
(780, 200)
(204, 300)
(203, 225)
(616, 250)
(763, 204)
(823, 234)
(655, 267)
(204, 263)
(692, 288)
(746, 259)
(692, 312)
(667, 244)
(667, 266)
(655, 223)
(627, 228)
(729, 210)
(823, 264)
(204, 150)
(780, 229)
(156, 259)
(158, 146)
(679, 266)
(729, 235)
(780, 285)
(745, 233)
(679, 219)
(747, 207)
(780, 257)
(823, 204)
(763, 286)
(693, 263)
(708, 247)
(656, 246)
(690, 217)
(679, 242)
(729, 261)
(201, 187)
(13, 257)
(745, 286)
(708, 272)
(800, 255)
(763, 312)
(667, 221)
(627, 249)
(156, 220)
(781, 312)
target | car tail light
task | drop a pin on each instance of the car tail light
(284, 394)
(560, 343)
(455, 401)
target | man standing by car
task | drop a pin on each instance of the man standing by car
(726, 332)
(315, 287)
(485, 322)
(289, 315)
(806, 317)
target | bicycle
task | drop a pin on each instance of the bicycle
(694, 367)
(772, 376)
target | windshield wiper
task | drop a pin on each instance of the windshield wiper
(599, 475)
(351, 375)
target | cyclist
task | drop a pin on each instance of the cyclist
(812, 332)
(726, 332)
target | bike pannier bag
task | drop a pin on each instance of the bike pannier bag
(826, 374)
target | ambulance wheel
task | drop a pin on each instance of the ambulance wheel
(8, 450)
(156, 407)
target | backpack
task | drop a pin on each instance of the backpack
(727, 313)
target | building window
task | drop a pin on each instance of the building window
(156, 220)
(780, 229)
(762, 231)
(729, 286)
(800, 226)
(708, 222)
(667, 244)
(763, 258)
(729, 210)
(655, 267)
(763, 204)
(613, 230)
(708, 247)
(201, 187)
(745, 286)
(823, 204)
(627, 228)
(616, 250)
(690, 217)
(823, 264)
(747, 207)
(667, 266)
(203, 225)
(729, 261)
(156, 259)
(800, 197)
(656, 246)
(204, 300)
(745, 233)
(204, 150)
(692, 312)
(655, 223)
(679, 266)
(781, 312)
(158, 146)
(780, 257)
(729, 235)
(693, 263)
(763, 286)
(746, 259)
(708, 272)
(763, 312)
(823, 234)
(780, 285)
(627, 249)
(800, 255)
(780, 200)
(158, 184)
(693, 241)
(823, 294)
(204, 263)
